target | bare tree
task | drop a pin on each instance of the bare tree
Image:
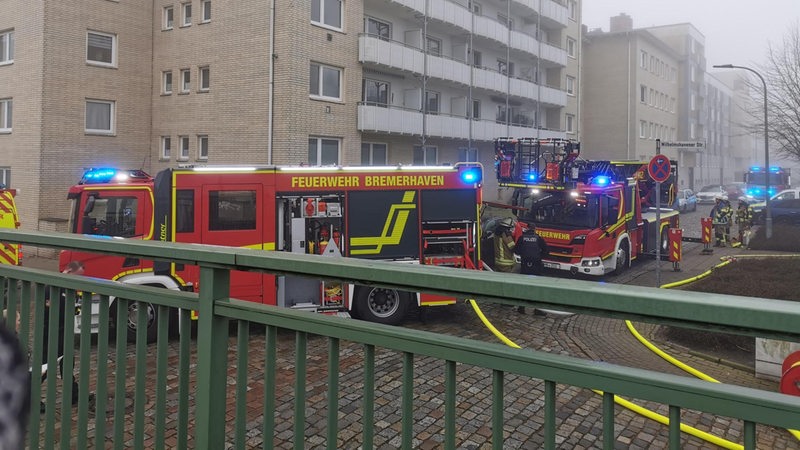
(782, 74)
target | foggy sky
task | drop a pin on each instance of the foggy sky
(736, 31)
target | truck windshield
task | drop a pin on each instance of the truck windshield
(563, 209)
(760, 179)
(113, 216)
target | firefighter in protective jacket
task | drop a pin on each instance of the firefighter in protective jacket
(504, 247)
(721, 216)
(744, 218)
(531, 248)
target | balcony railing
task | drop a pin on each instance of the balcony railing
(206, 392)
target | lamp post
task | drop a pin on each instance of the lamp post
(767, 211)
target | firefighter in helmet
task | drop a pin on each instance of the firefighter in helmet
(744, 218)
(721, 219)
(504, 247)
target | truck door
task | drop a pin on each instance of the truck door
(232, 215)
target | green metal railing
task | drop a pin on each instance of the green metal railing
(251, 387)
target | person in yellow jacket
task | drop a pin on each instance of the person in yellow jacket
(744, 218)
(504, 247)
(721, 216)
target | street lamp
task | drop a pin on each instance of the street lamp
(767, 210)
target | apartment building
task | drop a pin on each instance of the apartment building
(94, 83)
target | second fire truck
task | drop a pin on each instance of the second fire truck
(596, 216)
(404, 214)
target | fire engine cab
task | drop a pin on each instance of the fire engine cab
(596, 216)
(404, 214)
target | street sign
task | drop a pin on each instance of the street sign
(684, 145)
(659, 168)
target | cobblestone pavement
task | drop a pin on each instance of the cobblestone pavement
(579, 411)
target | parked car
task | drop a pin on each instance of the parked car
(785, 211)
(735, 190)
(687, 200)
(758, 207)
(706, 194)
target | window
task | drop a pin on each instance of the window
(112, 216)
(6, 47)
(325, 82)
(570, 85)
(476, 58)
(184, 211)
(379, 28)
(643, 60)
(206, 10)
(431, 102)
(692, 132)
(327, 13)
(570, 123)
(476, 109)
(425, 156)
(505, 20)
(571, 47)
(100, 48)
(186, 8)
(476, 8)
(186, 80)
(376, 92)
(5, 115)
(169, 18)
(184, 142)
(433, 46)
(373, 154)
(651, 97)
(467, 154)
(167, 84)
(5, 176)
(573, 9)
(232, 210)
(323, 151)
(505, 68)
(643, 129)
(166, 147)
(202, 146)
(99, 116)
(692, 102)
(205, 79)
(643, 93)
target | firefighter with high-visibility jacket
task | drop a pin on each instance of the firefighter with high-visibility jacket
(504, 247)
(721, 215)
(744, 218)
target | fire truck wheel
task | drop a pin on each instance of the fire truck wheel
(151, 313)
(664, 242)
(381, 305)
(623, 257)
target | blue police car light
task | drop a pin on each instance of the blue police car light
(471, 176)
(601, 180)
(774, 169)
(755, 168)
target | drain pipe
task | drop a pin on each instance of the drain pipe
(271, 89)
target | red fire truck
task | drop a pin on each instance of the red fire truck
(405, 214)
(9, 253)
(596, 216)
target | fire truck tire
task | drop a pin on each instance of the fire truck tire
(381, 305)
(131, 325)
(623, 257)
(664, 241)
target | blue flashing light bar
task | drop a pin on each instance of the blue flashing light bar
(99, 175)
(774, 169)
(601, 180)
(756, 168)
(472, 175)
(531, 177)
(107, 175)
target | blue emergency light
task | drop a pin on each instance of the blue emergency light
(532, 176)
(755, 168)
(472, 175)
(99, 175)
(601, 180)
(107, 175)
(774, 169)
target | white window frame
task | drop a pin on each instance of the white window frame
(111, 119)
(166, 147)
(381, 27)
(475, 113)
(570, 85)
(166, 82)
(205, 11)
(569, 123)
(573, 10)
(369, 149)
(186, 14)
(468, 154)
(169, 17)
(643, 129)
(6, 47)
(183, 148)
(572, 45)
(205, 78)
(202, 147)
(94, 62)
(643, 60)
(373, 102)
(6, 115)
(643, 93)
(317, 142)
(433, 46)
(318, 18)
(432, 95)
(5, 176)
(422, 155)
(322, 70)
(186, 81)
(476, 8)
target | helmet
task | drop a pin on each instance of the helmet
(508, 222)
(724, 197)
(743, 202)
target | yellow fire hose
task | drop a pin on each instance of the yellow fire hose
(685, 367)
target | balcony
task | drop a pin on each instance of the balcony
(394, 120)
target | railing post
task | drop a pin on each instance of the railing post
(212, 351)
